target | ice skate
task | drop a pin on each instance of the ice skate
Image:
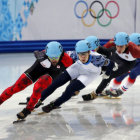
(23, 114)
(90, 96)
(114, 93)
(49, 107)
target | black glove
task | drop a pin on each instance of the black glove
(25, 103)
(40, 55)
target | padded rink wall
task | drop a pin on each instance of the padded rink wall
(30, 46)
(28, 25)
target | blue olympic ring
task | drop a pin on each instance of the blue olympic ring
(80, 1)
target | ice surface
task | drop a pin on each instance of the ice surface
(101, 119)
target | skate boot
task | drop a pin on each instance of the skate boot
(49, 107)
(102, 94)
(114, 93)
(23, 114)
(76, 93)
(39, 103)
(90, 96)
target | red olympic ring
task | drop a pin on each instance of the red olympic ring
(117, 8)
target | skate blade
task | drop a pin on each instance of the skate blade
(108, 97)
(41, 113)
(18, 121)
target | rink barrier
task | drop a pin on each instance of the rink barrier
(30, 46)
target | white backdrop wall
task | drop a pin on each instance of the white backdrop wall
(138, 16)
(55, 19)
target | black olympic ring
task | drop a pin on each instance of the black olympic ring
(96, 1)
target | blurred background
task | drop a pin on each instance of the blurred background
(27, 25)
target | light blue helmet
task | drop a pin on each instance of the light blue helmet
(121, 38)
(94, 42)
(54, 49)
(82, 46)
(135, 38)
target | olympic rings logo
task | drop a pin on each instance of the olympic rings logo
(93, 13)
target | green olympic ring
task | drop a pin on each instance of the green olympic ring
(104, 25)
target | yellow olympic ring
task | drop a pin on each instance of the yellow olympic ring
(82, 18)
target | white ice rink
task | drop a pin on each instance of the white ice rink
(101, 119)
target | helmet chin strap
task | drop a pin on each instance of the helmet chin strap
(126, 49)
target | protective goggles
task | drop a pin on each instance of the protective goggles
(83, 53)
(54, 58)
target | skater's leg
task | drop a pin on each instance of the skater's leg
(20, 84)
(67, 94)
(42, 83)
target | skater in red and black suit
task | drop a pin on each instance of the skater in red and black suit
(49, 64)
(122, 52)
